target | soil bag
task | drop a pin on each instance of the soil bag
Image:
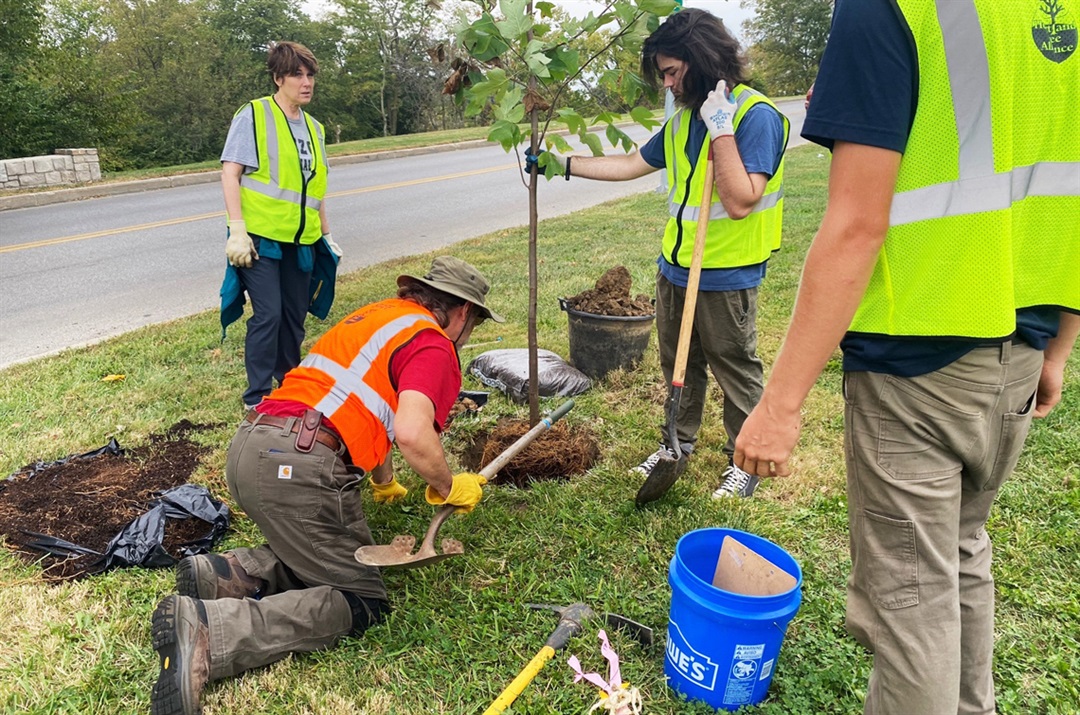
(507, 370)
(141, 543)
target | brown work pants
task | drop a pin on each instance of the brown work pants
(724, 341)
(309, 511)
(925, 459)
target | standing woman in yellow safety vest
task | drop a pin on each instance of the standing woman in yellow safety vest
(273, 173)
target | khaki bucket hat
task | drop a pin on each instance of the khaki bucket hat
(458, 278)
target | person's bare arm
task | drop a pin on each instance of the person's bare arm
(230, 186)
(415, 435)
(1054, 358)
(618, 167)
(837, 271)
(739, 191)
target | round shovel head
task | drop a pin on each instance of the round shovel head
(397, 554)
(663, 475)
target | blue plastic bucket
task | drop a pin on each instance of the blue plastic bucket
(722, 647)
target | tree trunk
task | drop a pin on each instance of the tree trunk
(534, 179)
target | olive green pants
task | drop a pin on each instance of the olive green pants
(724, 341)
(925, 459)
(309, 511)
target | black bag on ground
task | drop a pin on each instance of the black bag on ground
(507, 370)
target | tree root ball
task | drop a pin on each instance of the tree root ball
(557, 453)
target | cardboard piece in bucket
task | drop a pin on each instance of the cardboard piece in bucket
(741, 570)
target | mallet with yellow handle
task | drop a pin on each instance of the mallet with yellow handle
(570, 622)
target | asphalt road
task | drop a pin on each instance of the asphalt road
(75, 273)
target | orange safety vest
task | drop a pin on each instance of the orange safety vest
(346, 376)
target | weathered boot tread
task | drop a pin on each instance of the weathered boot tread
(182, 676)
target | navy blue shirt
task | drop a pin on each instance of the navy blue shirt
(866, 93)
(760, 140)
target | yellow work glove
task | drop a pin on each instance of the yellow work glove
(387, 493)
(465, 493)
(239, 248)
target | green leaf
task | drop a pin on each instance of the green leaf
(607, 118)
(493, 84)
(593, 142)
(516, 22)
(510, 108)
(482, 39)
(546, 8)
(559, 143)
(564, 63)
(658, 7)
(537, 60)
(574, 121)
(506, 133)
(644, 117)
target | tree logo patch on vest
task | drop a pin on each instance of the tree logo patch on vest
(1054, 31)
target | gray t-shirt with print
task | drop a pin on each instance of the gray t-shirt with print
(240, 143)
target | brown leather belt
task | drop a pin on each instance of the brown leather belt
(322, 436)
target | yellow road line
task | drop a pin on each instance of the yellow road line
(216, 214)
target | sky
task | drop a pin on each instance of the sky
(729, 11)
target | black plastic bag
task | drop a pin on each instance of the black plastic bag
(507, 370)
(141, 543)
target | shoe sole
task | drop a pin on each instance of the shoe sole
(166, 698)
(187, 580)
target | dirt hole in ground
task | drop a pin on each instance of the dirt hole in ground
(557, 453)
(89, 501)
(611, 296)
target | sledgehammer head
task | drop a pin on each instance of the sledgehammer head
(572, 617)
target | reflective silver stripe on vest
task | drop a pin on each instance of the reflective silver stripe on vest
(273, 190)
(350, 380)
(691, 213)
(978, 189)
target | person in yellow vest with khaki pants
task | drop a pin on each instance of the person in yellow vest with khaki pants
(695, 56)
(947, 267)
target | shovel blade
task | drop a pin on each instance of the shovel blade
(397, 554)
(663, 475)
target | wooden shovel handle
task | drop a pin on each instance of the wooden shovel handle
(682, 354)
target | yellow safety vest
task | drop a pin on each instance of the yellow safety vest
(728, 243)
(986, 214)
(275, 199)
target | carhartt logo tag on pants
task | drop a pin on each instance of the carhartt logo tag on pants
(284, 471)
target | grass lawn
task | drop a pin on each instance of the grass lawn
(460, 630)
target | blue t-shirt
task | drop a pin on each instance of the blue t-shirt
(866, 92)
(760, 140)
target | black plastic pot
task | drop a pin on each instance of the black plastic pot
(602, 343)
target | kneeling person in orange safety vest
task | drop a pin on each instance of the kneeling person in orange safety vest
(387, 374)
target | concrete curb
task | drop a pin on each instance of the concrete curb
(116, 188)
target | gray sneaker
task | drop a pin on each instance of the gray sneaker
(182, 641)
(645, 469)
(737, 483)
(210, 576)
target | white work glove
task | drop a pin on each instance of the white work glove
(334, 248)
(718, 112)
(240, 249)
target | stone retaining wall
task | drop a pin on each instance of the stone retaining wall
(65, 167)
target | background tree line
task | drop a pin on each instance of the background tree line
(156, 82)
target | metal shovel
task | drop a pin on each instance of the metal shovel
(398, 553)
(668, 469)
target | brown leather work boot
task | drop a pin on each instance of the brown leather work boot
(182, 640)
(210, 576)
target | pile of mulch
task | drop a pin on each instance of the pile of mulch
(611, 296)
(89, 501)
(556, 454)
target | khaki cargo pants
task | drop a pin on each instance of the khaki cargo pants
(925, 459)
(724, 342)
(309, 511)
